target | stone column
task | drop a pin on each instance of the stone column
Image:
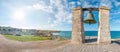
(77, 26)
(104, 28)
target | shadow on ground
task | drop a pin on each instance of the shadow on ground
(91, 40)
(116, 42)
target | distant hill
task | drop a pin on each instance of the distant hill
(15, 31)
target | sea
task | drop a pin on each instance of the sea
(67, 34)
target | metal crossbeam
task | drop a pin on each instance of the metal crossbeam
(93, 9)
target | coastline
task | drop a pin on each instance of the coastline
(54, 46)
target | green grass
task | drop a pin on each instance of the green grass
(25, 38)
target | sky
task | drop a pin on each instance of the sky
(53, 14)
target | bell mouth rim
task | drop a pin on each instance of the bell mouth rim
(90, 22)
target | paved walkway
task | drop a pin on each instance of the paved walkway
(54, 46)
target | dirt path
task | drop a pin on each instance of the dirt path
(7, 45)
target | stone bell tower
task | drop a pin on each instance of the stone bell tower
(78, 25)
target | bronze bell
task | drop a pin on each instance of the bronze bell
(90, 18)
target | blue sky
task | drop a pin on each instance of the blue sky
(53, 14)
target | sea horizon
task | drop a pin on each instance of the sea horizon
(67, 34)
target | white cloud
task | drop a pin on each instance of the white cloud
(117, 12)
(79, 3)
(41, 5)
(107, 3)
(62, 15)
(87, 4)
(116, 3)
(62, 12)
(116, 21)
(72, 5)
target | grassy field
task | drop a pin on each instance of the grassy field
(25, 38)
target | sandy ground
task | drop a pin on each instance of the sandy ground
(54, 46)
(7, 45)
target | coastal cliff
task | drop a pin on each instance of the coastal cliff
(35, 32)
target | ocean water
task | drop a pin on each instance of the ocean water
(67, 34)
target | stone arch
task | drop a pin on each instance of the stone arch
(78, 28)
